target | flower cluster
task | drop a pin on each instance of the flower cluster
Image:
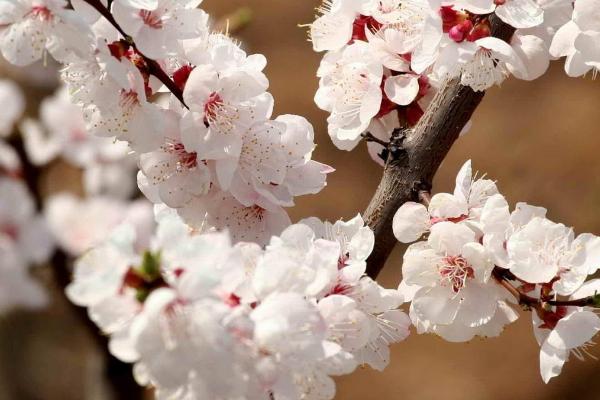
(388, 57)
(272, 322)
(460, 279)
(25, 238)
(61, 132)
(190, 104)
(25, 241)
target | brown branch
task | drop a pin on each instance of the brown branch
(522, 298)
(368, 136)
(502, 276)
(423, 149)
(153, 67)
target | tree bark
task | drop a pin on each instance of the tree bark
(420, 152)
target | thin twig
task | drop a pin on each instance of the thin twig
(500, 275)
(368, 136)
(521, 297)
(153, 67)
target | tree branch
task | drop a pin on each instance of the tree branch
(500, 275)
(153, 67)
(423, 149)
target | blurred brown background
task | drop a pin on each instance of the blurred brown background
(540, 140)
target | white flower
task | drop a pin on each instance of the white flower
(333, 29)
(290, 327)
(304, 175)
(105, 281)
(274, 164)
(579, 39)
(157, 31)
(562, 331)
(388, 324)
(107, 165)
(542, 250)
(220, 210)
(173, 174)
(355, 240)
(350, 89)
(347, 325)
(261, 163)
(21, 225)
(12, 104)
(412, 219)
(78, 225)
(533, 50)
(175, 339)
(225, 55)
(498, 224)
(127, 115)
(390, 47)
(30, 27)
(491, 62)
(221, 107)
(297, 262)
(452, 272)
(66, 135)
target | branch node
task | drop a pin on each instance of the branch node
(422, 192)
(395, 148)
(369, 137)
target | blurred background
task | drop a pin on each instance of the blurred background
(540, 140)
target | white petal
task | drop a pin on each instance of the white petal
(534, 53)
(576, 66)
(419, 265)
(589, 288)
(478, 305)
(449, 238)
(551, 361)
(495, 215)
(477, 256)
(574, 330)
(410, 222)
(521, 13)
(563, 41)
(402, 89)
(588, 44)
(331, 32)
(592, 252)
(464, 179)
(445, 205)
(503, 51)
(436, 305)
(587, 14)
